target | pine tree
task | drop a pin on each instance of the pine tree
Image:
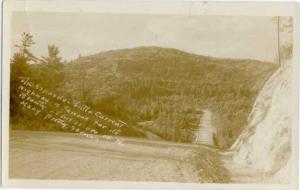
(51, 73)
(20, 68)
(26, 43)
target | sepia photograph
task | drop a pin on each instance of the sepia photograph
(147, 97)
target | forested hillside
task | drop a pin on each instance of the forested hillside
(161, 90)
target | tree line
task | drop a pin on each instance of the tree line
(45, 70)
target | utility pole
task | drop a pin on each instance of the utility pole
(278, 40)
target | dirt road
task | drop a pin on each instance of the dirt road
(204, 134)
(53, 155)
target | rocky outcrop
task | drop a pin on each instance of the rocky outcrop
(265, 144)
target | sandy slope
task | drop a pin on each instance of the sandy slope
(51, 155)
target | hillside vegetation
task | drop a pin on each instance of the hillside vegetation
(160, 90)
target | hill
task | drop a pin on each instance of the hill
(161, 90)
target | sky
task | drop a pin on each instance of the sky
(88, 33)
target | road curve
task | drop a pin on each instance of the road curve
(54, 155)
